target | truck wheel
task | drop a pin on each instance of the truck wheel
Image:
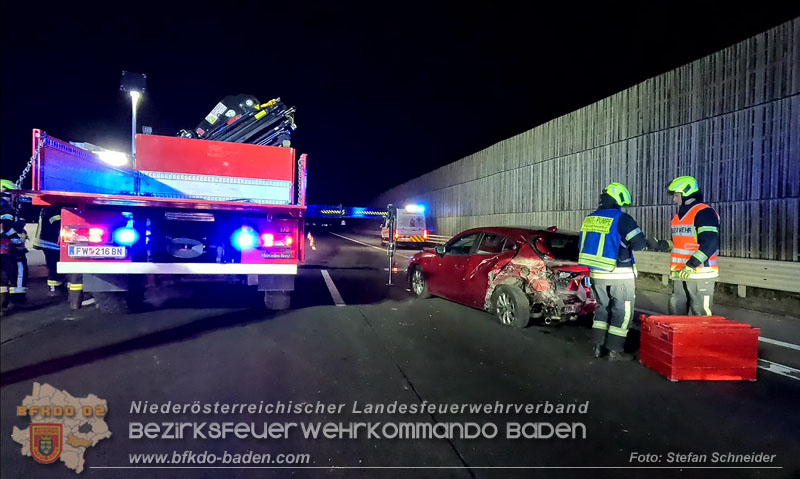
(418, 283)
(277, 300)
(112, 302)
(510, 306)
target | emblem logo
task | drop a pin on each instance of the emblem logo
(46, 441)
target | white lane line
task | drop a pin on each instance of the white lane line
(760, 338)
(367, 244)
(780, 343)
(781, 369)
(337, 298)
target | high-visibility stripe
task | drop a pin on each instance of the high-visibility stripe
(11, 231)
(683, 251)
(705, 229)
(20, 274)
(55, 218)
(51, 282)
(705, 273)
(76, 286)
(597, 261)
(600, 325)
(600, 245)
(632, 234)
(617, 273)
(45, 244)
(18, 290)
(7, 217)
(627, 316)
(618, 331)
(707, 304)
(3, 289)
(702, 257)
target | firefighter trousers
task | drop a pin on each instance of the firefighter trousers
(612, 318)
(51, 257)
(14, 277)
(692, 296)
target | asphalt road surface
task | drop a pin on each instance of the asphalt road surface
(350, 337)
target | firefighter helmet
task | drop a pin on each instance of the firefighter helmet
(619, 193)
(685, 185)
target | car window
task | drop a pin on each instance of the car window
(491, 244)
(461, 245)
(557, 246)
(509, 245)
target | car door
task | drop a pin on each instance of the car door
(446, 276)
(493, 249)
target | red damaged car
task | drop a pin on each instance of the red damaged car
(514, 273)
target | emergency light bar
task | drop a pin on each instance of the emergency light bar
(415, 208)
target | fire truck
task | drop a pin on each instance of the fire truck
(183, 206)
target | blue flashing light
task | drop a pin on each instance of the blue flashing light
(125, 236)
(415, 208)
(244, 238)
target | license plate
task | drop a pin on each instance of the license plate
(587, 282)
(97, 252)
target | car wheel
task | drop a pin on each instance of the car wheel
(418, 283)
(510, 306)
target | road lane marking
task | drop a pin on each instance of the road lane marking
(776, 368)
(367, 244)
(760, 338)
(337, 298)
(780, 343)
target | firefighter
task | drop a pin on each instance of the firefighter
(695, 246)
(608, 239)
(13, 260)
(46, 239)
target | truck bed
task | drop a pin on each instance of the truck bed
(171, 172)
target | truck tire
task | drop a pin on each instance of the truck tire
(119, 302)
(419, 285)
(112, 302)
(277, 300)
(510, 306)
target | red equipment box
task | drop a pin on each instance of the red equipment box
(708, 348)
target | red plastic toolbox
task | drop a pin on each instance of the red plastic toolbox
(707, 348)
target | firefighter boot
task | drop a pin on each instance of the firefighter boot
(615, 356)
(597, 350)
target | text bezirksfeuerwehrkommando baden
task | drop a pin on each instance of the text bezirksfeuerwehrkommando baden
(356, 407)
(421, 428)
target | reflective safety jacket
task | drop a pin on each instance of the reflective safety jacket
(600, 246)
(49, 229)
(12, 227)
(685, 245)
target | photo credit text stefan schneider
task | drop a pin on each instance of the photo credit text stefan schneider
(205, 423)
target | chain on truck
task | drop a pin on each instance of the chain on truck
(225, 200)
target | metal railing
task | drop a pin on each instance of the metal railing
(743, 272)
(438, 239)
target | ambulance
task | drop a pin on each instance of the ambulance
(409, 228)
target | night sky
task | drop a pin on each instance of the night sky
(382, 94)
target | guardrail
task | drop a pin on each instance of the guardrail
(438, 239)
(743, 272)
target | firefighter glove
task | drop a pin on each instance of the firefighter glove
(685, 273)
